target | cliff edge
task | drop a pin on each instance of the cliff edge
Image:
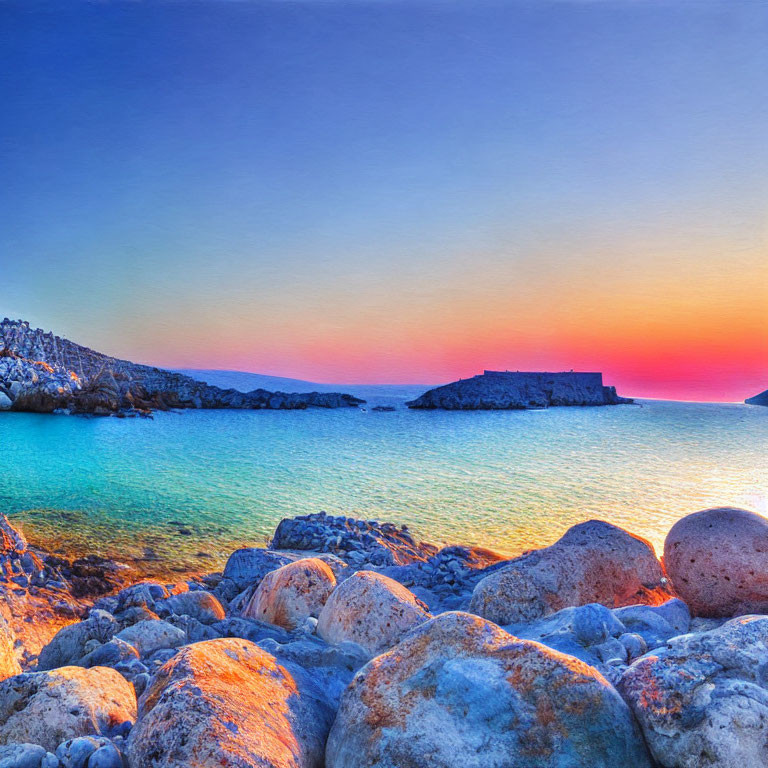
(506, 390)
(43, 373)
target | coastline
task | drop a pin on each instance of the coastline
(339, 604)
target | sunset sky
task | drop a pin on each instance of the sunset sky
(394, 191)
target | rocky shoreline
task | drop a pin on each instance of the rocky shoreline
(351, 644)
(44, 373)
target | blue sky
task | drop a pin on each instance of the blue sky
(390, 190)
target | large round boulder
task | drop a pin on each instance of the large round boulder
(152, 635)
(47, 708)
(371, 610)
(70, 643)
(702, 701)
(9, 665)
(292, 593)
(460, 691)
(226, 703)
(594, 562)
(717, 560)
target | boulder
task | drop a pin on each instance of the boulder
(21, 756)
(70, 644)
(717, 560)
(9, 666)
(594, 562)
(200, 605)
(702, 701)
(47, 708)
(292, 593)
(249, 565)
(371, 610)
(151, 635)
(228, 704)
(459, 691)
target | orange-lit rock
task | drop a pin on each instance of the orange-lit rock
(292, 593)
(459, 691)
(9, 666)
(718, 561)
(371, 610)
(228, 704)
(594, 562)
(47, 708)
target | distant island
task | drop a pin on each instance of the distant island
(761, 399)
(44, 373)
(507, 390)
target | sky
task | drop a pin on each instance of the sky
(392, 191)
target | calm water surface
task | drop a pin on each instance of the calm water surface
(181, 491)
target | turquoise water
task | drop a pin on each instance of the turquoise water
(181, 491)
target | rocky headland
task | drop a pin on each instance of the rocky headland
(506, 390)
(351, 644)
(761, 399)
(43, 373)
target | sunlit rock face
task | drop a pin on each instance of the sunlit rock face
(9, 666)
(718, 561)
(702, 701)
(371, 610)
(228, 704)
(594, 562)
(459, 691)
(293, 593)
(47, 708)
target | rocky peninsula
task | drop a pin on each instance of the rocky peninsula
(43, 373)
(761, 399)
(507, 390)
(352, 644)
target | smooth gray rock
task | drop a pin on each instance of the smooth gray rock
(21, 756)
(717, 560)
(150, 635)
(68, 646)
(459, 691)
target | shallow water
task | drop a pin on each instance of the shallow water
(183, 490)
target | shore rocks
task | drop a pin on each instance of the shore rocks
(461, 691)
(594, 562)
(359, 542)
(291, 594)
(371, 610)
(702, 701)
(229, 704)
(9, 666)
(718, 561)
(151, 635)
(70, 644)
(47, 708)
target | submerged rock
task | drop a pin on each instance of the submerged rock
(702, 701)
(371, 610)
(229, 704)
(718, 561)
(459, 691)
(594, 562)
(47, 708)
(291, 594)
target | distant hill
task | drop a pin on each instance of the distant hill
(761, 399)
(374, 394)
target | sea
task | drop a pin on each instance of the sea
(177, 493)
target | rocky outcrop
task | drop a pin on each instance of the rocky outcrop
(293, 593)
(505, 390)
(761, 399)
(47, 708)
(359, 542)
(702, 701)
(44, 373)
(9, 665)
(718, 561)
(229, 704)
(371, 610)
(594, 562)
(461, 691)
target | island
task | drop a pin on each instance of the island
(509, 390)
(761, 399)
(44, 373)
